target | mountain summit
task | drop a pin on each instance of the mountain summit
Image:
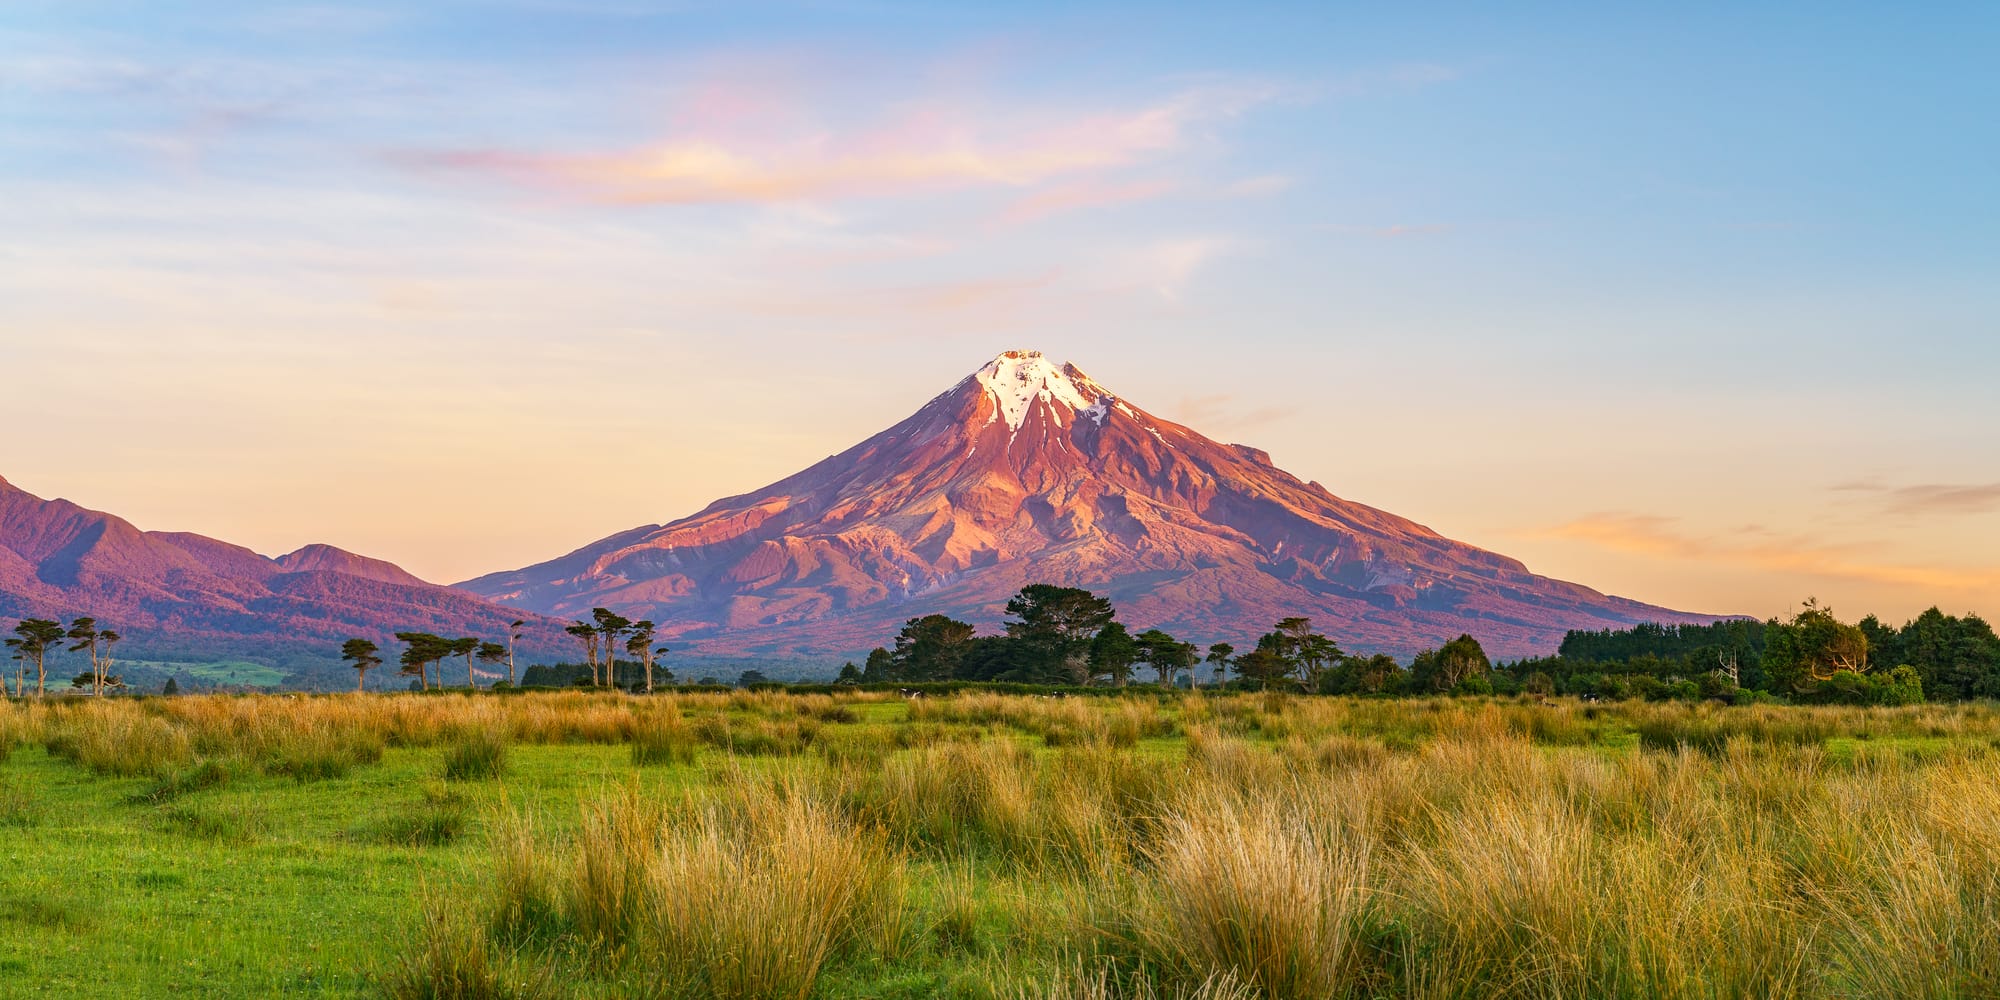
(1028, 471)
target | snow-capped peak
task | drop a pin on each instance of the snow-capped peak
(1016, 379)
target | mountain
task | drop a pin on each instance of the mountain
(1026, 471)
(180, 596)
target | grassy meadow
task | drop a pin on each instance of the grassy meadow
(576, 844)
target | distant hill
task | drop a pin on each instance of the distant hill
(181, 596)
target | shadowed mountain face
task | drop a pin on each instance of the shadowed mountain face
(1027, 471)
(186, 595)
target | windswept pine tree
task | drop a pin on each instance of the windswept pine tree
(363, 656)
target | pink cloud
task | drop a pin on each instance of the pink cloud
(1082, 195)
(918, 150)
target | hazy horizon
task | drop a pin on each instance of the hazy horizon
(1697, 309)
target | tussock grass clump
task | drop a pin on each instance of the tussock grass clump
(1257, 893)
(864, 748)
(663, 738)
(322, 752)
(120, 740)
(453, 960)
(753, 905)
(234, 824)
(478, 755)
(203, 774)
(746, 896)
(1079, 984)
(755, 737)
(42, 911)
(433, 821)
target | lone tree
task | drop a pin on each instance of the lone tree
(1167, 655)
(930, 648)
(494, 654)
(1056, 627)
(1221, 656)
(513, 636)
(363, 656)
(33, 637)
(587, 635)
(1112, 654)
(105, 662)
(1448, 666)
(467, 647)
(84, 637)
(422, 650)
(1264, 664)
(1310, 653)
(1807, 651)
(640, 645)
(610, 625)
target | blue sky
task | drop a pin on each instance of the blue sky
(1698, 305)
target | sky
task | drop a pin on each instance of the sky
(1694, 304)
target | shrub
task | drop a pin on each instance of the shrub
(477, 755)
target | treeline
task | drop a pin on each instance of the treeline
(35, 638)
(1069, 636)
(600, 638)
(1809, 657)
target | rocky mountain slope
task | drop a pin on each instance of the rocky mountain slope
(1029, 471)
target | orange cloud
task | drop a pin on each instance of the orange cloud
(1931, 498)
(926, 150)
(1757, 548)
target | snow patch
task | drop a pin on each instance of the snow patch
(1018, 379)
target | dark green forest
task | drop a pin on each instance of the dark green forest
(1067, 636)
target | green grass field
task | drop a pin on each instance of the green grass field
(232, 672)
(597, 845)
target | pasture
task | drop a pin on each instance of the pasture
(598, 845)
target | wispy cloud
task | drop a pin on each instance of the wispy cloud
(913, 150)
(1220, 411)
(1088, 194)
(1395, 231)
(1166, 266)
(1922, 499)
(1757, 547)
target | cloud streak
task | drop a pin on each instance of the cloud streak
(1923, 499)
(917, 150)
(1757, 548)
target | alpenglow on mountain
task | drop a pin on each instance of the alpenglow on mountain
(179, 596)
(1027, 471)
